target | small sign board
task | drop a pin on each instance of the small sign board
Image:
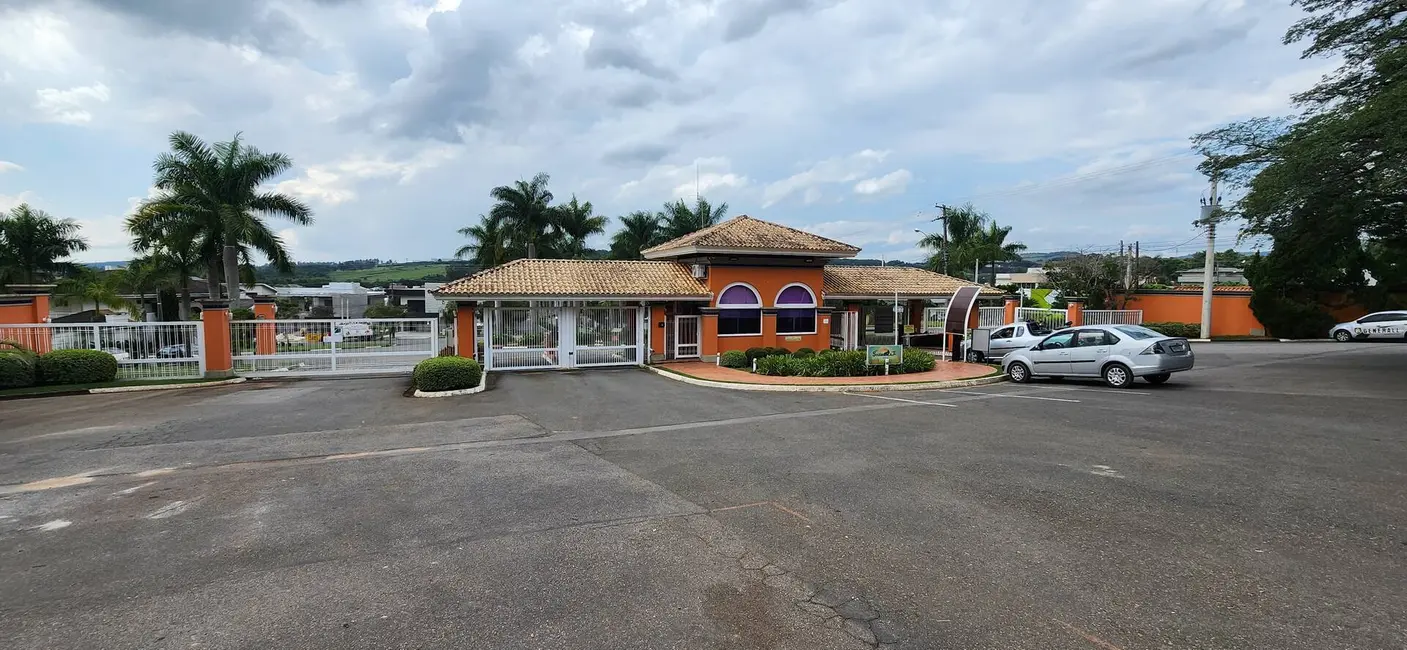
(793, 339)
(878, 355)
(910, 329)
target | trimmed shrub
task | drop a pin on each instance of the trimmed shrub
(803, 353)
(734, 359)
(16, 365)
(916, 360)
(1188, 330)
(780, 352)
(777, 366)
(811, 366)
(850, 363)
(755, 353)
(76, 367)
(447, 373)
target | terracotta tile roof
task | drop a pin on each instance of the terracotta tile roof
(743, 233)
(1217, 288)
(885, 280)
(583, 278)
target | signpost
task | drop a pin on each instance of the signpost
(884, 355)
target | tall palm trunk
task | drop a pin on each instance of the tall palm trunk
(232, 274)
(185, 305)
(212, 278)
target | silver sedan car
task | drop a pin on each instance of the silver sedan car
(1115, 353)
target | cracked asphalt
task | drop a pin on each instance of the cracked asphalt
(1257, 502)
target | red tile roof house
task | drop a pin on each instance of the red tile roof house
(739, 284)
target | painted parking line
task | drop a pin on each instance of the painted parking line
(900, 399)
(1013, 396)
(1085, 389)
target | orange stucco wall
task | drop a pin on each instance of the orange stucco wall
(1231, 314)
(657, 333)
(768, 282)
(16, 314)
(464, 331)
(215, 321)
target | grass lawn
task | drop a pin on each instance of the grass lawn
(80, 388)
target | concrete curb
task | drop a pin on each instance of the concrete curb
(483, 383)
(143, 389)
(843, 388)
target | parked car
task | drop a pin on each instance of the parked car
(1383, 325)
(177, 351)
(1003, 340)
(118, 353)
(354, 329)
(1115, 353)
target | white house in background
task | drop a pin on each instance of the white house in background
(1222, 275)
(1033, 278)
(419, 301)
(346, 299)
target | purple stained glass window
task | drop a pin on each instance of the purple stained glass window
(738, 295)
(795, 295)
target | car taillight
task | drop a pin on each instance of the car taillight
(1156, 348)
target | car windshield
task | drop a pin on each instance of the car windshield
(1137, 332)
(1037, 329)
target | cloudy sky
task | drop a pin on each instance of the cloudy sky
(1066, 119)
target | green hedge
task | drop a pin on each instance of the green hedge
(916, 360)
(758, 353)
(17, 366)
(1187, 330)
(447, 373)
(734, 359)
(76, 367)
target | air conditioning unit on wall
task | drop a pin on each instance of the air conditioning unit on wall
(700, 271)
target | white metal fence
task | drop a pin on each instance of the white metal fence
(991, 316)
(1113, 317)
(934, 318)
(1051, 318)
(142, 350)
(320, 346)
(606, 336)
(523, 338)
(686, 337)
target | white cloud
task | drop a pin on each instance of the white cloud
(707, 176)
(7, 166)
(69, 106)
(9, 202)
(894, 182)
(830, 171)
(334, 183)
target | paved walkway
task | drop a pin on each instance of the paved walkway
(943, 371)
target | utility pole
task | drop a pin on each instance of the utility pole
(1209, 217)
(943, 217)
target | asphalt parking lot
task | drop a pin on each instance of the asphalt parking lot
(1257, 502)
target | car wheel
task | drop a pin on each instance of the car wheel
(1342, 336)
(974, 356)
(1118, 375)
(1158, 378)
(1018, 372)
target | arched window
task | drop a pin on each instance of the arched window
(739, 311)
(796, 310)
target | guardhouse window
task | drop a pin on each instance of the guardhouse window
(796, 310)
(739, 311)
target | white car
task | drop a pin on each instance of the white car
(1003, 340)
(1384, 325)
(118, 353)
(1115, 353)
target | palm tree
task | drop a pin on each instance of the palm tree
(86, 285)
(679, 219)
(33, 243)
(965, 226)
(639, 230)
(574, 224)
(217, 193)
(488, 242)
(992, 247)
(525, 208)
(175, 254)
(141, 276)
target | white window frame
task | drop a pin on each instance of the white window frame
(812, 307)
(758, 306)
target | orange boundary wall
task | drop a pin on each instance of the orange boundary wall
(1231, 312)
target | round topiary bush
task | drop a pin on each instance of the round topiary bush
(803, 352)
(734, 359)
(916, 360)
(76, 367)
(16, 366)
(756, 353)
(447, 373)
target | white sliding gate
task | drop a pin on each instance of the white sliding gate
(1113, 316)
(545, 338)
(686, 337)
(280, 348)
(143, 350)
(1052, 318)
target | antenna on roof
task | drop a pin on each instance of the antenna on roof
(696, 180)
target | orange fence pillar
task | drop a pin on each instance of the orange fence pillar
(1076, 312)
(265, 334)
(1011, 304)
(769, 329)
(708, 334)
(658, 322)
(465, 344)
(215, 325)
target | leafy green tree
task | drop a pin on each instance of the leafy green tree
(85, 286)
(966, 229)
(575, 223)
(638, 231)
(488, 242)
(679, 218)
(217, 195)
(142, 276)
(526, 213)
(34, 245)
(991, 246)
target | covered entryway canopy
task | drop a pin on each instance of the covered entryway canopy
(865, 298)
(548, 314)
